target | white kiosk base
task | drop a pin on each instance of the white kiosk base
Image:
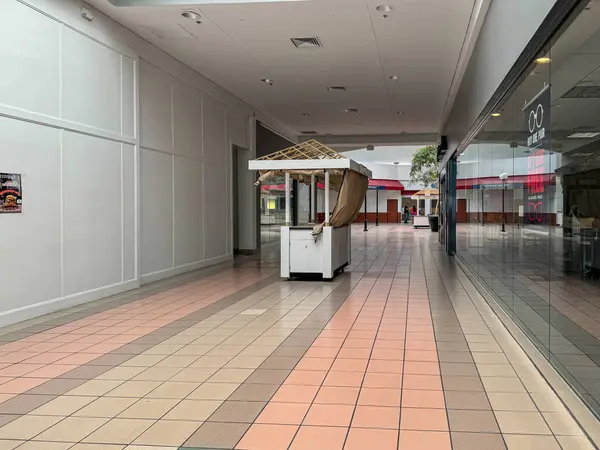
(301, 255)
(420, 221)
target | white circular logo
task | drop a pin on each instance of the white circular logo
(536, 118)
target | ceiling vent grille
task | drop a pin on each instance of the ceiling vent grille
(337, 88)
(583, 92)
(307, 42)
(311, 133)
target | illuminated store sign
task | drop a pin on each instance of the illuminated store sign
(537, 114)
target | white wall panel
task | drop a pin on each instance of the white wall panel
(187, 121)
(30, 55)
(129, 213)
(237, 130)
(128, 95)
(188, 211)
(156, 211)
(215, 210)
(91, 76)
(30, 242)
(91, 174)
(155, 108)
(215, 147)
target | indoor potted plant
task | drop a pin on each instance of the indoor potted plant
(424, 171)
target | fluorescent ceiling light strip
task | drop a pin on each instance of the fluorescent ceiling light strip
(191, 2)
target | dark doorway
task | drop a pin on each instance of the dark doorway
(461, 210)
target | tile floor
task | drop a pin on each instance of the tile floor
(393, 354)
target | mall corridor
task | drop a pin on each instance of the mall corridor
(399, 352)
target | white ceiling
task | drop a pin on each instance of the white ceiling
(237, 45)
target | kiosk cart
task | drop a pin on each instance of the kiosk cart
(322, 249)
(427, 194)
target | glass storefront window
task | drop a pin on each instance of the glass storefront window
(528, 205)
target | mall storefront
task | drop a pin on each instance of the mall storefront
(527, 203)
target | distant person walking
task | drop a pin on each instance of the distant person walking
(406, 214)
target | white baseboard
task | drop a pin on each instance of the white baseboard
(49, 306)
(162, 274)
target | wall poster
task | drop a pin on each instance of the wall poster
(537, 119)
(11, 195)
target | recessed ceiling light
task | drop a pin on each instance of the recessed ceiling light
(190, 15)
(400, 113)
(583, 135)
(495, 114)
(385, 8)
(351, 110)
(543, 60)
(268, 81)
(394, 77)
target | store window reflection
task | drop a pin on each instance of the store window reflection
(534, 171)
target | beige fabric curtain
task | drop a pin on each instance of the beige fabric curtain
(350, 199)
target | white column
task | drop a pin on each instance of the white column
(313, 213)
(288, 211)
(326, 198)
(427, 206)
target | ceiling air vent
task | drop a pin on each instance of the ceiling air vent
(307, 42)
(583, 92)
(337, 89)
(311, 132)
(351, 110)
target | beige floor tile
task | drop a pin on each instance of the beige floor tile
(572, 443)
(506, 385)
(193, 410)
(562, 424)
(106, 407)
(157, 373)
(496, 370)
(82, 446)
(226, 350)
(149, 408)
(64, 405)
(173, 389)
(231, 375)
(120, 431)
(9, 445)
(134, 389)
(259, 350)
(513, 422)
(194, 350)
(503, 401)
(194, 374)
(246, 362)
(168, 432)
(213, 391)
(528, 442)
(177, 361)
(27, 427)
(548, 403)
(211, 361)
(121, 373)
(72, 429)
(95, 388)
(537, 385)
(490, 358)
(38, 445)
(144, 361)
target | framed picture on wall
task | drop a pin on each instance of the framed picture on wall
(11, 194)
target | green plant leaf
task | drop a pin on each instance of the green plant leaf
(424, 166)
